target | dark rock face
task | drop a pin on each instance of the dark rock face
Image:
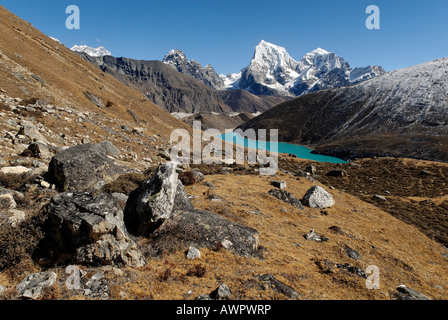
(166, 87)
(404, 293)
(177, 60)
(352, 253)
(206, 229)
(243, 101)
(87, 228)
(82, 167)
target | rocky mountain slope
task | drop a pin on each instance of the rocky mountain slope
(164, 86)
(178, 61)
(87, 193)
(401, 113)
(243, 101)
(34, 67)
(272, 71)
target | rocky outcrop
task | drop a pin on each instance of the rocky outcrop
(82, 167)
(404, 293)
(153, 201)
(87, 228)
(160, 208)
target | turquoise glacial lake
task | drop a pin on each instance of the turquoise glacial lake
(282, 147)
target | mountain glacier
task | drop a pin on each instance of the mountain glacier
(272, 71)
(93, 52)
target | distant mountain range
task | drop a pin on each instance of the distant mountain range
(272, 72)
(401, 113)
(94, 52)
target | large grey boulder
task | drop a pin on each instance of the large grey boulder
(32, 286)
(317, 197)
(87, 228)
(82, 167)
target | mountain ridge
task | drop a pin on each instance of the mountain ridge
(401, 113)
(273, 71)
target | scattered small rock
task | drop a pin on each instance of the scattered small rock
(7, 202)
(379, 198)
(279, 286)
(404, 293)
(287, 197)
(18, 170)
(32, 286)
(313, 236)
(193, 253)
(279, 184)
(221, 293)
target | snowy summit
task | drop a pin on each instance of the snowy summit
(94, 52)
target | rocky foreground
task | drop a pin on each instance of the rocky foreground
(80, 221)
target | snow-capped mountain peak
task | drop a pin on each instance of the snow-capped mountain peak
(94, 52)
(268, 55)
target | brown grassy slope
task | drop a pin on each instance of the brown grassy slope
(403, 254)
(415, 190)
(34, 66)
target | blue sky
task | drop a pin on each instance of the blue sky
(223, 33)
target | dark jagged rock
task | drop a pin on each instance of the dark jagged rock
(177, 60)
(279, 286)
(404, 293)
(352, 269)
(160, 208)
(287, 197)
(87, 228)
(82, 167)
(352, 253)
